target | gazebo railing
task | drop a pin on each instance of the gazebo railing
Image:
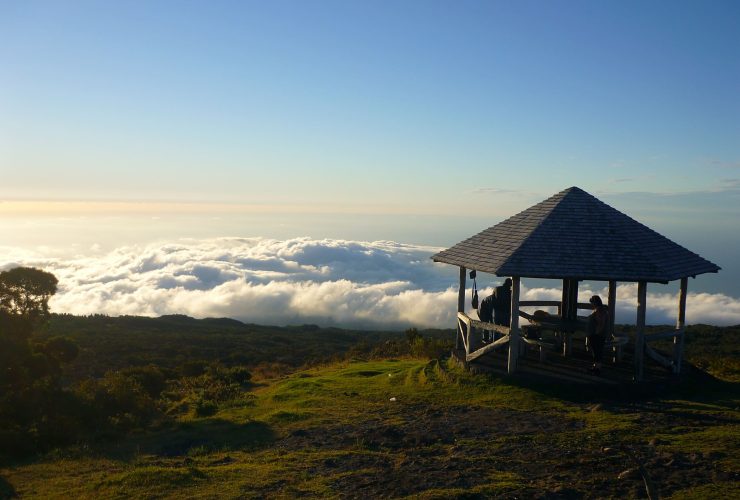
(468, 330)
(470, 338)
(677, 336)
(474, 348)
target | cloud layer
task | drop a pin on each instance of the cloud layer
(302, 280)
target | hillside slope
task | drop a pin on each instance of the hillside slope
(415, 428)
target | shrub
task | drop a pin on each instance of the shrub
(150, 378)
(193, 368)
(63, 349)
(235, 374)
(117, 400)
(205, 408)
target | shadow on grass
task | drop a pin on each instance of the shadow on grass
(6, 489)
(194, 437)
(209, 435)
(693, 385)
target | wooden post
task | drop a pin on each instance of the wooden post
(460, 306)
(569, 306)
(573, 299)
(617, 350)
(612, 304)
(514, 333)
(680, 326)
(564, 300)
(563, 312)
(640, 331)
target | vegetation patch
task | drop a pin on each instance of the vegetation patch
(154, 477)
(178, 415)
(288, 416)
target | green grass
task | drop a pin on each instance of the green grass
(335, 429)
(724, 489)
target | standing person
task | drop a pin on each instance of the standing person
(598, 326)
(502, 304)
(485, 313)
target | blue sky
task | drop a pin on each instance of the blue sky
(366, 102)
(421, 122)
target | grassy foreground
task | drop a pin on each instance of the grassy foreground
(414, 428)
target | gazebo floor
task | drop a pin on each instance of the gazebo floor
(572, 369)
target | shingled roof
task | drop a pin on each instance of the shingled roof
(575, 235)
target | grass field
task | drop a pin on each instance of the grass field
(419, 429)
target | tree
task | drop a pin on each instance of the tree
(25, 292)
(31, 395)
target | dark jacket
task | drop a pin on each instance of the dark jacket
(485, 311)
(598, 322)
(502, 305)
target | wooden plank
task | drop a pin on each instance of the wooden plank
(535, 303)
(656, 356)
(462, 333)
(473, 339)
(553, 322)
(461, 290)
(640, 331)
(537, 342)
(573, 300)
(461, 305)
(541, 346)
(612, 305)
(661, 335)
(680, 326)
(564, 300)
(484, 325)
(619, 340)
(487, 348)
(514, 332)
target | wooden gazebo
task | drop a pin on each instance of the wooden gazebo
(572, 236)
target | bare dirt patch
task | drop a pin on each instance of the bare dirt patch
(410, 449)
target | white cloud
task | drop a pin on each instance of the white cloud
(302, 280)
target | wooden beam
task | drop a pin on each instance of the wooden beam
(573, 301)
(461, 290)
(461, 306)
(471, 338)
(640, 331)
(514, 332)
(484, 325)
(463, 325)
(612, 304)
(487, 348)
(661, 335)
(535, 303)
(564, 299)
(656, 356)
(680, 326)
(569, 311)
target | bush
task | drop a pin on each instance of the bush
(205, 408)
(63, 349)
(117, 400)
(235, 374)
(412, 334)
(193, 368)
(150, 378)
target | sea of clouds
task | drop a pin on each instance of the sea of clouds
(379, 284)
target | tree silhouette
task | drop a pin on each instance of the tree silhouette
(25, 291)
